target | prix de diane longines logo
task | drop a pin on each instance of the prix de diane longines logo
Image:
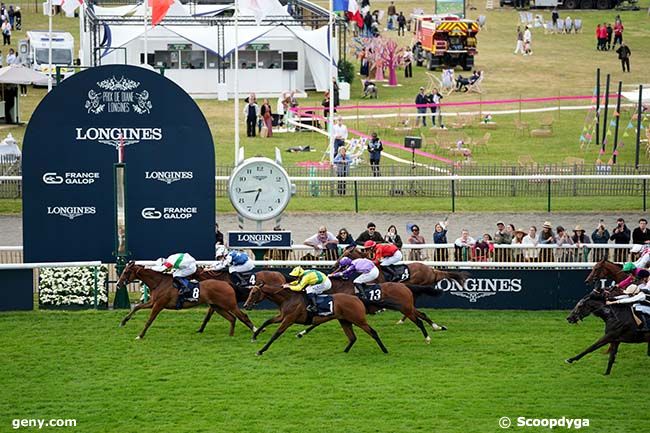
(476, 288)
(118, 95)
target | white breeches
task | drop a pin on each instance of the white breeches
(387, 261)
(248, 266)
(642, 309)
(317, 289)
(367, 277)
(642, 262)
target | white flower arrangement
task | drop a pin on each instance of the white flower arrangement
(72, 286)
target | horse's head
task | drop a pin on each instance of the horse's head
(128, 274)
(602, 270)
(255, 296)
(593, 301)
(354, 253)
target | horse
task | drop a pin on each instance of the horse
(347, 309)
(419, 275)
(218, 294)
(620, 326)
(394, 296)
(605, 269)
(240, 294)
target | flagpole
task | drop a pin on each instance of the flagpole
(330, 123)
(236, 81)
(145, 4)
(49, 20)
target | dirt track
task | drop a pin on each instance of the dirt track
(304, 225)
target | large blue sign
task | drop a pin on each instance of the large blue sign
(71, 146)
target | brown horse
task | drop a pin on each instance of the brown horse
(605, 269)
(347, 309)
(620, 326)
(394, 296)
(218, 294)
(203, 274)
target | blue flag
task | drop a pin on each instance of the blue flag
(340, 5)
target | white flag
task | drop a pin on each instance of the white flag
(69, 6)
(259, 8)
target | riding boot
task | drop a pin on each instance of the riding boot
(646, 323)
(361, 288)
(181, 284)
(236, 279)
(311, 303)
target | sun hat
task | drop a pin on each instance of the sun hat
(547, 225)
(578, 228)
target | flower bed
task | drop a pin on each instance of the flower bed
(73, 288)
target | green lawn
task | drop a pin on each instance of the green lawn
(489, 364)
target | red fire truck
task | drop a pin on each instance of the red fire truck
(445, 40)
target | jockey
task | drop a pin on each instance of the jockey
(629, 268)
(181, 266)
(644, 255)
(638, 297)
(385, 255)
(366, 268)
(237, 263)
(314, 282)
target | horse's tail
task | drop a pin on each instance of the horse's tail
(425, 290)
(459, 277)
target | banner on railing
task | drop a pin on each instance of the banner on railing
(256, 240)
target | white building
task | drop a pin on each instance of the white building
(195, 45)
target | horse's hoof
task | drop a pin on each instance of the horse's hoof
(437, 327)
(568, 361)
(259, 353)
(400, 322)
(121, 325)
(427, 340)
(199, 331)
(138, 338)
(255, 328)
(253, 340)
(300, 334)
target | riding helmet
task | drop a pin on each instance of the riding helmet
(297, 271)
(369, 244)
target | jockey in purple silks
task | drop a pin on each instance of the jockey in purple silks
(365, 267)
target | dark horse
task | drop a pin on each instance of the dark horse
(605, 269)
(394, 296)
(348, 310)
(620, 326)
(218, 294)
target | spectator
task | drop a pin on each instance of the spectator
(568, 24)
(532, 254)
(218, 235)
(555, 16)
(580, 238)
(502, 236)
(519, 48)
(375, 147)
(462, 246)
(484, 248)
(610, 32)
(434, 99)
(267, 118)
(392, 237)
(342, 163)
(421, 101)
(252, 112)
(407, 58)
(440, 237)
(528, 42)
(324, 243)
(371, 234)
(6, 33)
(344, 237)
(2, 60)
(401, 24)
(641, 234)
(600, 236)
(416, 239)
(340, 132)
(18, 18)
(563, 239)
(392, 16)
(546, 237)
(12, 16)
(281, 107)
(11, 57)
(621, 236)
(618, 33)
(517, 239)
(326, 107)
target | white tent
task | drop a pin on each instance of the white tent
(9, 150)
(633, 96)
(18, 74)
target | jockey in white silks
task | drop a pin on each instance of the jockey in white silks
(180, 265)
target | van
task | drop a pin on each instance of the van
(33, 52)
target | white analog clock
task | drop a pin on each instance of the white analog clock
(259, 189)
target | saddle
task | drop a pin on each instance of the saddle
(188, 291)
(396, 273)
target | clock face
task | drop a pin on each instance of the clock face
(259, 189)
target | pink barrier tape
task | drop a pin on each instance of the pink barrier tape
(458, 104)
(390, 143)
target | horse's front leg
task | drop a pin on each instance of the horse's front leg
(275, 319)
(598, 344)
(612, 356)
(155, 310)
(286, 322)
(134, 310)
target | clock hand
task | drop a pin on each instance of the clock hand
(250, 190)
(258, 195)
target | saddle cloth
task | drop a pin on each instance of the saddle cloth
(189, 294)
(373, 293)
(401, 273)
(325, 304)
